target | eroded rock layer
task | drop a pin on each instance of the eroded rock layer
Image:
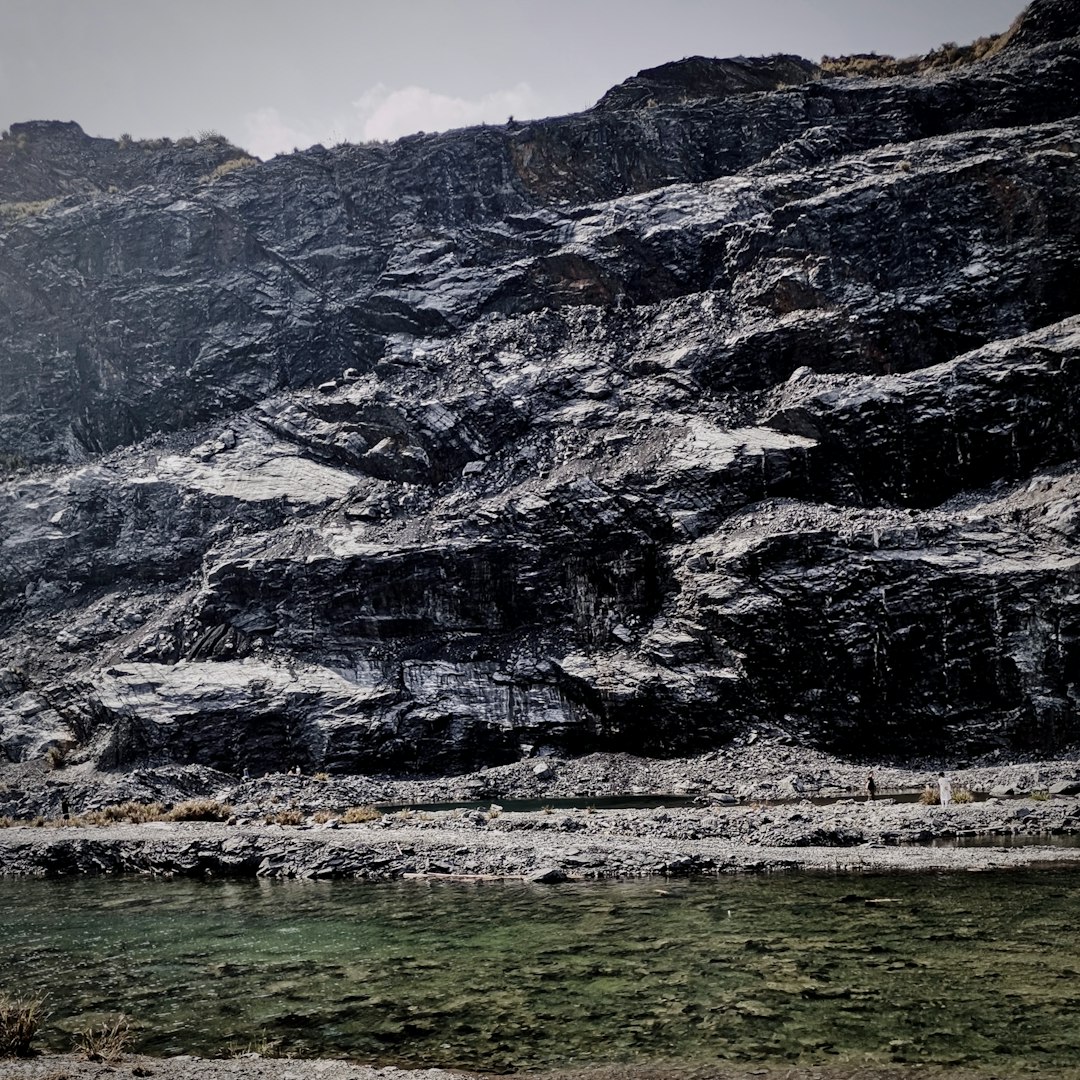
(749, 398)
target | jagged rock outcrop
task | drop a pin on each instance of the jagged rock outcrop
(749, 396)
(42, 160)
(700, 77)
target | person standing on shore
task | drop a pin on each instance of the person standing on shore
(944, 787)
(871, 788)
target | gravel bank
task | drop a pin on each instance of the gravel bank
(573, 844)
(65, 1067)
(757, 806)
(748, 770)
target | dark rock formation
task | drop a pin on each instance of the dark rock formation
(1044, 23)
(749, 396)
(699, 77)
(46, 159)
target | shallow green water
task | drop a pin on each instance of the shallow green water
(974, 968)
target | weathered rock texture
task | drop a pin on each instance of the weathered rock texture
(747, 398)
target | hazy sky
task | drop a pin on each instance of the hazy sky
(274, 74)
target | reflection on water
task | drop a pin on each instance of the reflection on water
(532, 806)
(990, 840)
(951, 969)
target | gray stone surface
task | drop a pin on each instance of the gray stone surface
(186, 1067)
(746, 400)
(549, 848)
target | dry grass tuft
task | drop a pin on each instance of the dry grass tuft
(133, 813)
(944, 58)
(32, 823)
(357, 815)
(107, 1043)
(291, 816)
(20, 1019)
(201, 810)
(15, 211)
(227, 167)
(930, 796)
(266, 1046)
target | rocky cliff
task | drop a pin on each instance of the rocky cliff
(748, 399)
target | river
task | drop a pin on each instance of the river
(979, 969)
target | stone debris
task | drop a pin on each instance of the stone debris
(185, 1067)
(828, 825)
(578, 844)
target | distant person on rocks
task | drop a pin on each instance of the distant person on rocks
(944, 789)
(871, 788)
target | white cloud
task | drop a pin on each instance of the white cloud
(382, 113)
(268, 133)
(389, 114)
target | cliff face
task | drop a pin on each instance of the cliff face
(749, 397)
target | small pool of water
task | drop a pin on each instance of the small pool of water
(1054, 840)
(636, 802)
(953, 969)
(533, 806)
(894, 796)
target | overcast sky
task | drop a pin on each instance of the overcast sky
(274, 74)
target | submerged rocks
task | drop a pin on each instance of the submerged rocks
(746, 400)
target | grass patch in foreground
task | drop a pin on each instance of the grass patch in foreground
(20, 1019)
(106, 1043)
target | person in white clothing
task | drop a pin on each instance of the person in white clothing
(944, 788)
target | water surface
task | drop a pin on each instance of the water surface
(977, 969)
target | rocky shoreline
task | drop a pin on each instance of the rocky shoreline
(763, 807)
(561, 846)
(252, 1067)
(750, 808)
(249, 1067)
